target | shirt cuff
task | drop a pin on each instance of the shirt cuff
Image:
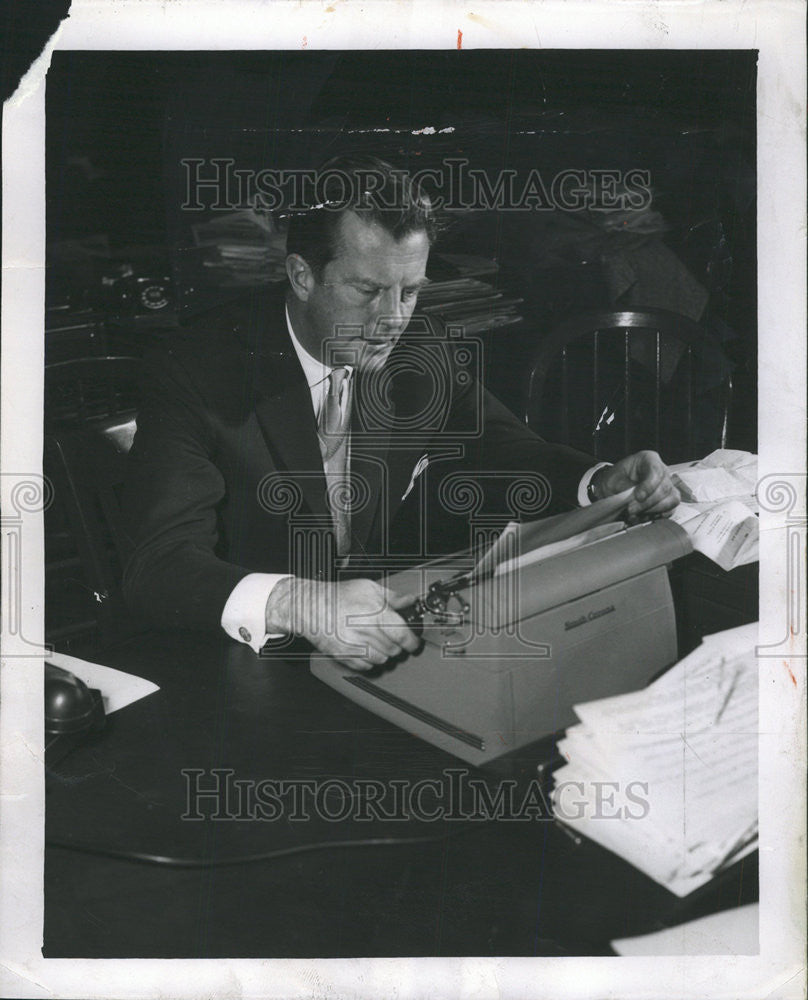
(583, 486)
(244, 615)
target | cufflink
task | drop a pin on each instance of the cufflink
(245, 634)
(591, 493)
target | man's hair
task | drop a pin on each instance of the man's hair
(372, 188)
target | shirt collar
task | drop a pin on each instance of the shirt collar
(314, 370)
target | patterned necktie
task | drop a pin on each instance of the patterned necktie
(335, 413)
(333, 426)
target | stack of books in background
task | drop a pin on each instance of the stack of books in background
(242, 249)
(466, 301)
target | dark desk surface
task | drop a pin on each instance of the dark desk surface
(422, 888)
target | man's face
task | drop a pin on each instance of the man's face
(368, 291)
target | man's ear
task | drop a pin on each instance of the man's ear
(301, 276)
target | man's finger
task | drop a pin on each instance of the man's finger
(664, 492)
(379, 637)
(663, 508)
(654, 475)
(394, 625)
(357, 636)
(397, 601)
(356, 664)
(371, 652)
(400, 633)
(390, 635)
(666, 504)
(388, 632)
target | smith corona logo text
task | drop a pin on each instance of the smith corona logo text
(588, 618)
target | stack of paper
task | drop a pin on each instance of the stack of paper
(723, 474)
(242, 248)
(719, 508)
(469, 303)
(667, 777)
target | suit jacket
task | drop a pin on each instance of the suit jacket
(225, 475)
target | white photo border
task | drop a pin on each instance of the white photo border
(777, 30)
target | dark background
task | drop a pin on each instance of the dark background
(119, 123)
(687, 116)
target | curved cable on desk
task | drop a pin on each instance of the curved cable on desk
(247, 859)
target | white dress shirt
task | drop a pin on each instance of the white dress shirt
(244, 614)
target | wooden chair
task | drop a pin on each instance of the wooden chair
(612, 383)
(86, 468)
(90, 407)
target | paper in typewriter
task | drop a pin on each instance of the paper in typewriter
(679, 762)
(524, 542)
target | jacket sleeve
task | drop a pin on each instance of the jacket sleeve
(174, 576)
(500, 449)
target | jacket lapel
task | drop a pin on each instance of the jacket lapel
(287, 421)
(370, 471)
(381, 454)
(283, 401)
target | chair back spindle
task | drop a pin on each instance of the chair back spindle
(641, 372)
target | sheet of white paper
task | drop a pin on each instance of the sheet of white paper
(731, 932)
(565, 545)
(117, 688)
(741, 463)
(687, 511)
(734, 641)
(722, 474)
(518, 539)
(700, 484)
(727, 533)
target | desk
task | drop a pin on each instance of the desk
(444, 887)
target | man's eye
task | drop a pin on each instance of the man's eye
(410, 293)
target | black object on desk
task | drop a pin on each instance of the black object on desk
(72, 712)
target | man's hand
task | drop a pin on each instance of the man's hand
(355, 622)
(654, 493)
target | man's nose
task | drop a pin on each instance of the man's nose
(395, 311)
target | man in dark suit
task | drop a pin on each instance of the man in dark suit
(299, 438)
